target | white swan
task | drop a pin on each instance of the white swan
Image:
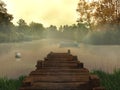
(17, 55)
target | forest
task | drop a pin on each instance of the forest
(98, 23)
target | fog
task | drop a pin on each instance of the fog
(94, 57)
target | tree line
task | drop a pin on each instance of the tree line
(24, 32)
(102, 17)
(98, 23)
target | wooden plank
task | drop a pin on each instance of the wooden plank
(54, 74)
(58, 73)
(60, 78)
(60, 65)
(57, 86)
(61, 61)
(63, 70)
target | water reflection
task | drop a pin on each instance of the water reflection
(18, 59)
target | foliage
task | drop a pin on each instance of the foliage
(109, 81)
(103, 17)
(11, 84)
(90, 13)
(98, 13)
(73, 32)
(21, 23)
(5, 18)
(109, 37)
(36, 26)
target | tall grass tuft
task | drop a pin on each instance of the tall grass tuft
(10, 84)
(109, 81)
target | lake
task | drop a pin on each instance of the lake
(94, 57)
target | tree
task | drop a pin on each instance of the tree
(5, 18)
(52, 28)
(36, 26)
(21, 23)
(97, 13)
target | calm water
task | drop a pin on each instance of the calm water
(105, 58)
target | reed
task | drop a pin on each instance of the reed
(10, 84)
(109, 81)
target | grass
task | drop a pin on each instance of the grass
(10, 84)
(109, 81)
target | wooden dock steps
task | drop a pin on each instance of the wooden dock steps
(57, 86)
(61, 71)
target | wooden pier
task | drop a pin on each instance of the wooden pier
(61, 71)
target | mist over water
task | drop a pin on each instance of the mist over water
(102, 57)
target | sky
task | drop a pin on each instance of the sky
(47, 12)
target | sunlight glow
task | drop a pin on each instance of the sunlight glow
(91, 1)
(47, 12)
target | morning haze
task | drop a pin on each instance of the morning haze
(95, 38)
(47, 12)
